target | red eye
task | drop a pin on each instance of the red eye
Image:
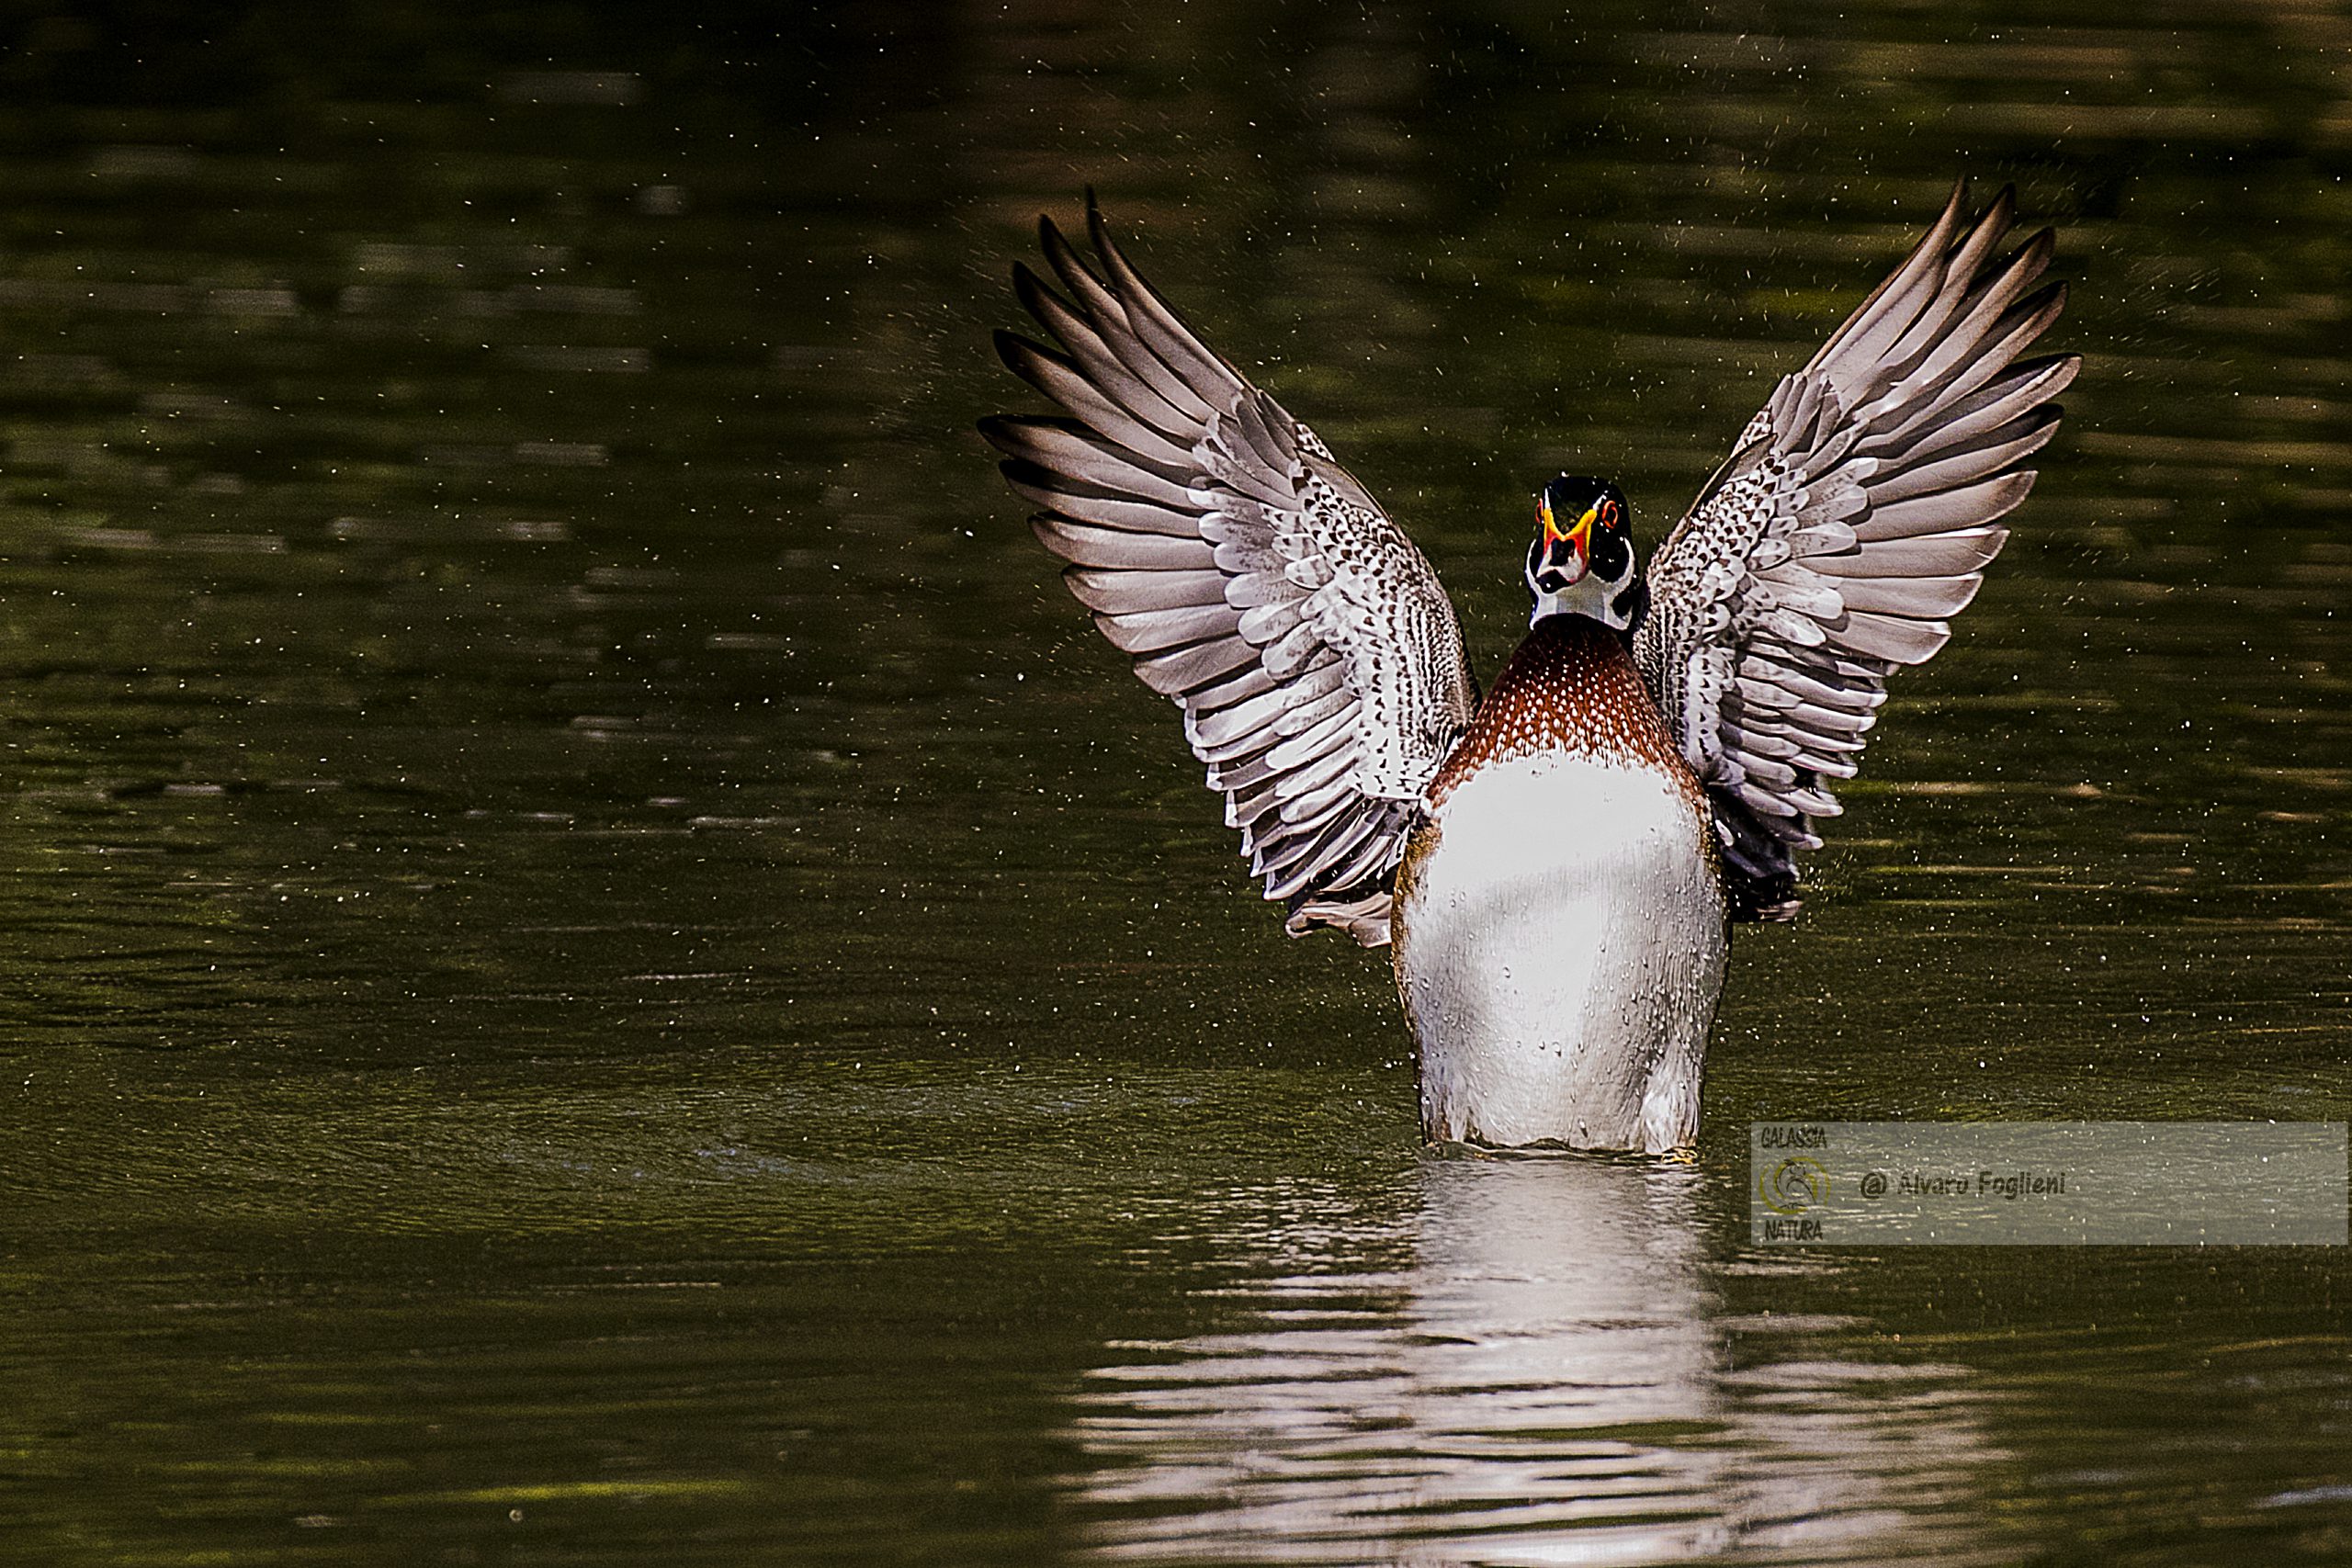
(1609, 514)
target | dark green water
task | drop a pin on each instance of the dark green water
(599, 968)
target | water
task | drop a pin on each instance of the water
(600, 968)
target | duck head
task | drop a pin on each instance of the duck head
(1582, 560)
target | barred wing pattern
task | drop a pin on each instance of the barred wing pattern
(1315, 655)
(1858, 511)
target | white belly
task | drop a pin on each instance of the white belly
(1559, 950)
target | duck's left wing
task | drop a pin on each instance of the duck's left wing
(1858, 511)
(1315, 655)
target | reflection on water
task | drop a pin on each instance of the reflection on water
(1549, 1380)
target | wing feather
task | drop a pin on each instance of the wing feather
(1117, 333)
(1988, 502)
(1962, 550)
(1059, 378)
(1855, 518)
(1094, 357)
(1068, 451)
(1114, 547)
(1172, 674)
(1124, 593)
(1149, 631)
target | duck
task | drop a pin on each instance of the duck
(1555, 864)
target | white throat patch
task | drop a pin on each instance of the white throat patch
(1590, 595)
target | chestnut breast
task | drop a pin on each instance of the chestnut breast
(1572, 688)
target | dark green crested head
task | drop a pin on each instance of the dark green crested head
(1582, 560)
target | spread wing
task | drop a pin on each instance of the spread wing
(1315, 655)
(1857, 512)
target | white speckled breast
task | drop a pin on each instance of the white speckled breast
(1559, 951)
(1559, 933)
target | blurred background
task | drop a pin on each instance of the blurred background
(599, 964)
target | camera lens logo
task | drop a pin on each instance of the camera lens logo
(1794, 1186)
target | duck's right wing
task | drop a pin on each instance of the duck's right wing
(1315, 655)
(1855, 516)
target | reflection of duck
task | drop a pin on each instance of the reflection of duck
(1543, 1370)
(1555, 863)
(1546, 1379)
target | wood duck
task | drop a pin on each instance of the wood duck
(1554, 867)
